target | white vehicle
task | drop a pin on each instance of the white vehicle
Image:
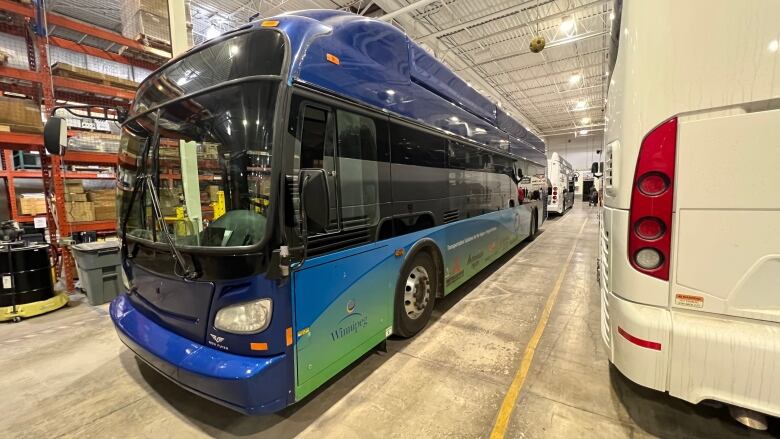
(690, 254)
(560, 196)
(533, 186)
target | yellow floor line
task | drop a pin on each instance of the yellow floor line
(510, 399)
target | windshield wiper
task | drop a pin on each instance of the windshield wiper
(189, 273)
(143, 176)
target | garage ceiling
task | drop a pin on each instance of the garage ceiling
(561, 90)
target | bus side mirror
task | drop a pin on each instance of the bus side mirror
(55, 135)
(594, 169)
(315, 200)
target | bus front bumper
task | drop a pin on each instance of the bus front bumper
(245, 384)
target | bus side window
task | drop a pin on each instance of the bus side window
(358, 170)
(315, 144)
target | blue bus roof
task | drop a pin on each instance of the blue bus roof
(378, 65)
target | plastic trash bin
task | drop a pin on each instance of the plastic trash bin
(99, 267)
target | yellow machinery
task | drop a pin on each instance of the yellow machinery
(33, 309)
(219, 205)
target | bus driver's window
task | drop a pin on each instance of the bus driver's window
(316, 151)
(316, 140)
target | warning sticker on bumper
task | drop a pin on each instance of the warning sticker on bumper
(688, 300)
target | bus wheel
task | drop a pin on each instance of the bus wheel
(415, 294)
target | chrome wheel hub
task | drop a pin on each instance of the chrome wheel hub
(417, 292)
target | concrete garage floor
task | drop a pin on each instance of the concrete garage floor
(67, 375)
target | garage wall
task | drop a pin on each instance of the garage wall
(579, 151)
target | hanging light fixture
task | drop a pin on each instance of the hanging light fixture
(537, 42)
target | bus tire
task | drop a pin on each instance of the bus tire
(415, 294)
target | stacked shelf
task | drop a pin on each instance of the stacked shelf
(38, 83)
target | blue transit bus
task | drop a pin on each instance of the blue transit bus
(295, 191)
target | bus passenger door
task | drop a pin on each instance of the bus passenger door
(344, 291)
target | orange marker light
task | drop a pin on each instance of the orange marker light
(270, 23)
(399, 252)
(332, 58)
(288, 335)
(258, 346)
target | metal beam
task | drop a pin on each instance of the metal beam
(558, 43)
(482, 20)
(503, 13)
(406, 9)
(554, 132)
(82, 27)
(556, 73)
(560, 87)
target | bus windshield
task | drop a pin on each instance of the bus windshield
(211, 168)
(195, 155)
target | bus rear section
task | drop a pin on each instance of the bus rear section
(560, 195)
(690, 232)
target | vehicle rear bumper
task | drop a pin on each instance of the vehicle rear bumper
(639, 340)
(246, 384)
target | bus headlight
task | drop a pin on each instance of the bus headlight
(244, 318)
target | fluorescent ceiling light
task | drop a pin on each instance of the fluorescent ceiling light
(583, 132)
(580, 105)
(774, 45)
(568, 25)
(575, 78)
(585, 120)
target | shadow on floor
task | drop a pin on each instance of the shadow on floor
(662, 415)
(219, 421)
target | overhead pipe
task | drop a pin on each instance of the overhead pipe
(406, 9)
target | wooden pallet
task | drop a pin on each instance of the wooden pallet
(68, 71)
(27, 129)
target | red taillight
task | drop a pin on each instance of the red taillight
(649, 229)
(652, 200)
(653, 184)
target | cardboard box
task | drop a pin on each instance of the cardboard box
(75, 197)
(209, 151)
(21, 115)
(102, 195)
(68, 71)
(170, 199)
(212, 189)
(105, 210)
(74, 187)
(156, 7)
(32, 204)
(79, 211)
